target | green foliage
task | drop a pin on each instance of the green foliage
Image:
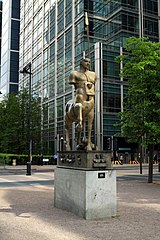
(14, 124)
(141, 116)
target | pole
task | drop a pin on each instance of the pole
(29, 117)
(27, 70)
(87, 26)
(29, 125)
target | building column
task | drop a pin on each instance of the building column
(140, 6)
(121, 79)
(99, 96)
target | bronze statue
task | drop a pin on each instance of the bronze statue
(82, 106)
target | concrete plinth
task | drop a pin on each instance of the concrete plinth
(89, 194)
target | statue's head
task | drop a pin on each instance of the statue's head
(85, 63)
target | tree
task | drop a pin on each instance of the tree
(14, 124)
(140, 121)
(9, 123)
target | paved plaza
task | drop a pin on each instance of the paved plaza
(27, 209)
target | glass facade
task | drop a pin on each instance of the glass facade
(10, 46)
(1, 6)
(53, 38)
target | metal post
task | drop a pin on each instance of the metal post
(27, 70)
(28, 168)
(29, 117)
(87, 26)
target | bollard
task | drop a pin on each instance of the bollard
(28, 168)
(14, 162)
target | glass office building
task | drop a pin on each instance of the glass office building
(10, 46)
(124, 19)
(1, 4)
(53, 38)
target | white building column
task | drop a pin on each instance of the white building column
(140, 6)
(99, 96)
(121, 79)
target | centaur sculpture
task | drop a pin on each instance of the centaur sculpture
(82, 106)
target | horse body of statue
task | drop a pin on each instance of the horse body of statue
(81, 108)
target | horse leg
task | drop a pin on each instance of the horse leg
(90, 121)
(68, 148)
(79, 126)
(68, 125)
(78, 110)
(79, 137)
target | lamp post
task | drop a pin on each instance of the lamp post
(27, 70)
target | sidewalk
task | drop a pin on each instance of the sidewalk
(28, 213)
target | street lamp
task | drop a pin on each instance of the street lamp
(27, 70)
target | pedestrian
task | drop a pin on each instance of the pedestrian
(55, 159)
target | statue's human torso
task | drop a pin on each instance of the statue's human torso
(83, 80)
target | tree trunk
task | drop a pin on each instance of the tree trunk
(150, 172)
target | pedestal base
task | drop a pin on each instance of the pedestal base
(83, 159)
(88, 194)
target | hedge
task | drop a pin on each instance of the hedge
(7, 159)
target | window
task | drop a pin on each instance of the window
(13, 88)
(14, 66)
(151, 6)
(16, 9)
(151, 27)
(60, 109)
(112, 103)
(15, 35)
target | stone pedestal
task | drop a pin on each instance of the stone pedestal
(90, 194)
(84, 159)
